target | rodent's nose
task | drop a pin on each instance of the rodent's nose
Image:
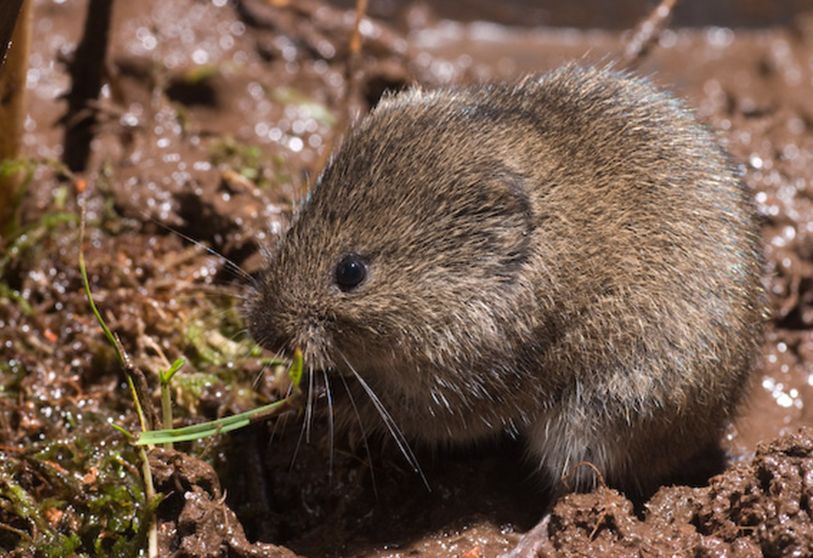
(269, 338)
(268, 328)
(283, 332)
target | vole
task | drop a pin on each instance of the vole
(571, 257)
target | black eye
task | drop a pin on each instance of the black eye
(350, 272)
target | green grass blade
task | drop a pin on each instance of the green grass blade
(297, 366)
(166, 376)
(86, 283)
(219, 426)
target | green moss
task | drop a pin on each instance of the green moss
(10, 168)
(250, 161)
(76, 497)
(189, 387)
(27, 241)
(199, 74)
(216, 336)
(314, 109)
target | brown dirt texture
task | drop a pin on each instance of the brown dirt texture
(213, 118)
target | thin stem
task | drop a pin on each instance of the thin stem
(130, 372)
(350, 87)
(646, 33)
(166, 410)
(149, 494)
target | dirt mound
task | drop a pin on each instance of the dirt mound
(762, 508)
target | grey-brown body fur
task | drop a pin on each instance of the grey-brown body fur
(571, 257)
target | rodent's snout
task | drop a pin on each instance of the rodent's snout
(282, 331)
(262, 328)
(269, 321)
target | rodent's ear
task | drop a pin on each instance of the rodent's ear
(508, 218)
(482, 225)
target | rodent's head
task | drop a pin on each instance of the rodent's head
(405, 262)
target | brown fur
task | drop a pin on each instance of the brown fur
(571, 256)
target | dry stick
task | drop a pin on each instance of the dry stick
(87, 70)
(15, 24)
(355, 37)
(9, 10)
(321, 17)
(350, 86)
(574, 470)
(646, 33)
(353, 58)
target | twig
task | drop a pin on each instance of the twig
(355, 37)
(353, 56)
(9, 11)
(639, 45)
(87, 71)
(15, 26)
(602, 517)
(574, 470)
(18, 532)
(350, 86)
(149, 496)
(318, 18)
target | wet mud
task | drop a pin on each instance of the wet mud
(214, 118)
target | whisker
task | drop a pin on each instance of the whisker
(239, 335)
(296, 449)
(363, 435)
(238, 294)
(255, 383)
(309, 408)
(389, 422)
(304, 432)
(229, 264)
(282, 421)
(329, 396)
(218, 315)
(265, 367)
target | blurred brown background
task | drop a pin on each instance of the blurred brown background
(607, 14)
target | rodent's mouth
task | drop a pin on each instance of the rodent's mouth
(316, 342)
(313, 347)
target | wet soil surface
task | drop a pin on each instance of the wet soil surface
(214, 118)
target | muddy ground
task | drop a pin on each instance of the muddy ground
(214, 117)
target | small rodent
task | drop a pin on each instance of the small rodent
(571, 257)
